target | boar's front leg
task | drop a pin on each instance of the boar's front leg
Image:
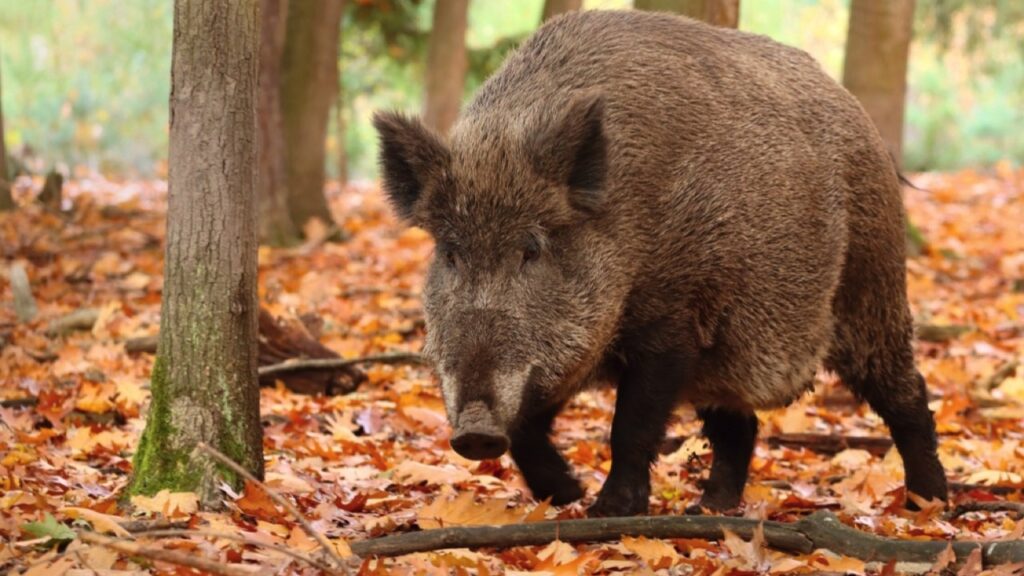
(545, 471)
(732, 435)
(645, 399)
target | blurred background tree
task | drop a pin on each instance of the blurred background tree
(86, 83)
(6, 201)
(724, 13)
(875, 67)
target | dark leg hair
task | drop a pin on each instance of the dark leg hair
(646, 396)
(732, 435)
(901, 400)
(545, 471)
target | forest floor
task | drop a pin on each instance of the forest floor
(377, 461)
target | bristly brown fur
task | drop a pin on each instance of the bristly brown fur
(697, 213)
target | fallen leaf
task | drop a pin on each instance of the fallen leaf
(104, 523)
(656, 553)
(167, 503)
(463, 510)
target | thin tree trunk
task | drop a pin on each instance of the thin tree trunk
(276, 225)
(553, 8)
(725, 13)
(6, 200)
(309, 79)
(342, 128)
(875, 70)
(204, 381)
(446, 64)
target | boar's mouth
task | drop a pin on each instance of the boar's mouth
(477, 435)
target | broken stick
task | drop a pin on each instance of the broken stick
(335, 363)
(328, 549)
(819, 530)
(188, 560)
(832, 443)
(24, 304)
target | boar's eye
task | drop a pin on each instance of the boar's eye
(531, 251)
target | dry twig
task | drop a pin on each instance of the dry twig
(335, 363)
(184, 533)
(1001, 373)
(994, 506)
(161, 555)
(832, 443)
(281, 500)
(940, 333)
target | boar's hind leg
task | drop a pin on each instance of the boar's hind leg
(884, 376)
(900, 399)
(543, 468)
(646, 395)
(732, 435)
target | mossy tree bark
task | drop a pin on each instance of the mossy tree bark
(446, 64)
(553, 8)
(725, 13)
(204, 382)
(309, 79)
(875, 69)
(6, 200)
(276, 225)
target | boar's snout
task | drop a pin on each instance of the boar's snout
(477, 436)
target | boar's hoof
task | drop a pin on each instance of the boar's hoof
(561, 492)
(628, 501)
(480, 445)
(716, 501)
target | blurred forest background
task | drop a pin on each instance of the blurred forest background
(85, 82)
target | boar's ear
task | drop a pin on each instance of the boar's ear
(411, 158)
(572, 150)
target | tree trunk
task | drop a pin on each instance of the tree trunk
(276, 225)
(6, 200)
(725, 13)
(204, 381)
(309, 78)
(342, 128)
(553, 8)
(446, 64)
(875, 70)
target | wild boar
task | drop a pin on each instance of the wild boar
(698, 214)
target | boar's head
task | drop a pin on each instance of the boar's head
(520, 296)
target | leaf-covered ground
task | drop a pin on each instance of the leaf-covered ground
(377, 461)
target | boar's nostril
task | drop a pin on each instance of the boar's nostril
(480, 445)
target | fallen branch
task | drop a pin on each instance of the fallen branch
(1001, 373)
(374, 290)
(135, 526)
(142, 344)
(280, 500)
(183, 533)
(81, 319)
(189, 560)
(283, 339)
(939, 333)
(24, 304)
(990, 488)
(832, 443)
(19, 402)
(821, 443)
(335, 363)
(994, 506)
(819, 530)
